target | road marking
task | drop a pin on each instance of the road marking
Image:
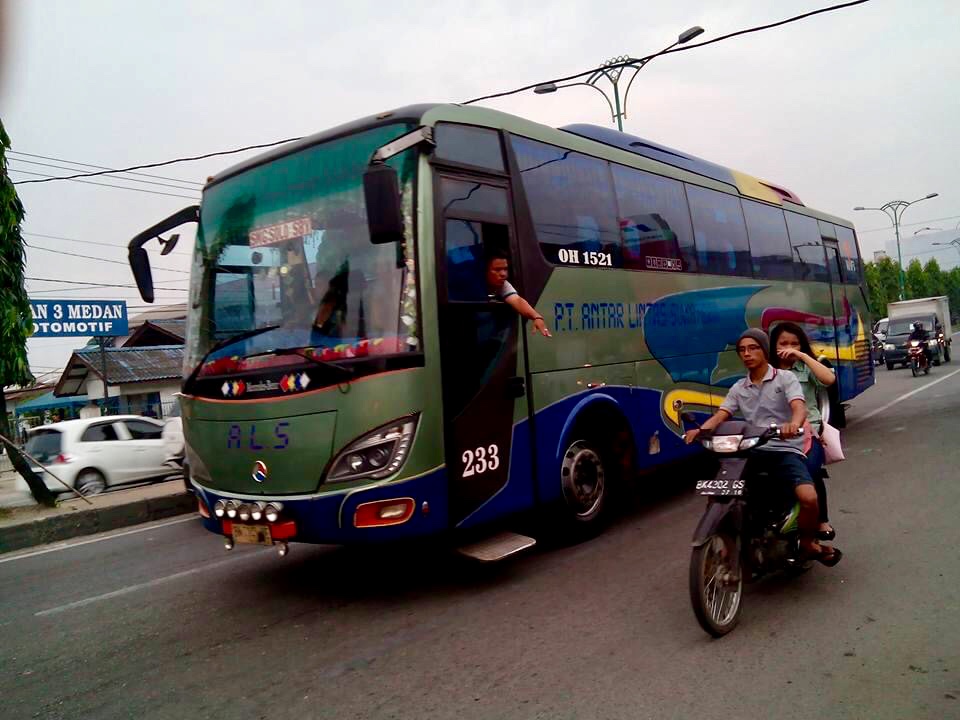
(68, 545)
(902, 398)
(149, 584)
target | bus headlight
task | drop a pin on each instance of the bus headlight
(256, 511)
(375, 455)
(231, 508)
(272, 511)
(220, 508)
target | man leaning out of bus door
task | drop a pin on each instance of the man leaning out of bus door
(498, 267)
(768, 396)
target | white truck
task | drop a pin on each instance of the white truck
(933, 312)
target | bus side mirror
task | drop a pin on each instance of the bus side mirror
(381, 191)
(140, 264)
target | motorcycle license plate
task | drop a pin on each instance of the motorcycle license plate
(252, 534)
(720, 486)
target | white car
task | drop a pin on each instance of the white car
(93, 454)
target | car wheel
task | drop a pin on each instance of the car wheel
(90, 482)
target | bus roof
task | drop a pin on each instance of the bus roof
(569, 135)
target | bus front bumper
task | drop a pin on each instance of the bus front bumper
(378, 513)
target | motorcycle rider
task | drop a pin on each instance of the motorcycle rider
(768, 396)
(920, 333)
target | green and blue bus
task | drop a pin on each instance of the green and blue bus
(350, 379)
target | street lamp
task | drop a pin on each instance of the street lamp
(894, 210)
(611, 70)
(955, 242)
(927, 228)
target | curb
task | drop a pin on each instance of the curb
(96, 520)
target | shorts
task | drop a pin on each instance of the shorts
(790, 467)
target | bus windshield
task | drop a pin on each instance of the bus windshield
(284, 260)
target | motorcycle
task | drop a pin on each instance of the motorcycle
(749, 529)
(918, 358)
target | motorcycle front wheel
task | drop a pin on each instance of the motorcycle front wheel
(716, 584)
(914, 368)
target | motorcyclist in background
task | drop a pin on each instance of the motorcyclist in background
(920, 333)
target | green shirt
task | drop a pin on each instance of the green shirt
(810, 386)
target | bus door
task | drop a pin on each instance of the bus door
(482, 361)
(842, 314)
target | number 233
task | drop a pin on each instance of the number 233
(481, 460)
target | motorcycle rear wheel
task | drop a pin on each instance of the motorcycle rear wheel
(716, 584)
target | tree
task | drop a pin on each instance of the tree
(16, 320)
(883, 285)
(953, 290)
(915, 283)
(936, 280)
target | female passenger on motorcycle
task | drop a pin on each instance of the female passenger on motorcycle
(790, 350)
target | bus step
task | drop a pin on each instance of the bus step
(497, 547)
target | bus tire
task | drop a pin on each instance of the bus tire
(586, 479)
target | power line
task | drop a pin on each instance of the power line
(684, 48)
(95, 284)
(118, 177)
(163, 163)
(100, 259)
(90, 242)
(468, 102)
(89, 182)
(910, 224)
(101, 167)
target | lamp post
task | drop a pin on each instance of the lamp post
(955, 243)
(927, 228)
(894, 210)
(612, 70)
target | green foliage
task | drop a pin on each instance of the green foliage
(936, 281)
(883, 286)
(915, 282)
(16, 322)
(928, 280)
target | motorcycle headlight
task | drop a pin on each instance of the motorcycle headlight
(726, 443)
(914, 343)
(748, 443)
(889, 346)
(375, 455)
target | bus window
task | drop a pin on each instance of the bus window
(654, 221)
(828, 235)
(807, 247)
(719, 232)
(468, 145)
(849, 254)
(468, 244)
(572, 203)
(473, 199)
(769, 242)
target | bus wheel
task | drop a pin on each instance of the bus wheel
(585, 478)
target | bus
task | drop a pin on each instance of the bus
(349, 377)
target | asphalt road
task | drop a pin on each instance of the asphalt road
(160, 622)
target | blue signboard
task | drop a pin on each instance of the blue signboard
(79, 318)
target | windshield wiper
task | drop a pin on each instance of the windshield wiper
(222, 344)
(300, 352)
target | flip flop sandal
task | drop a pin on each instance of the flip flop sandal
(828, 556)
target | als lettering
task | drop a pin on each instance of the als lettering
(236, 437)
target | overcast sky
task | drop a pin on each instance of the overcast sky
(855, 107)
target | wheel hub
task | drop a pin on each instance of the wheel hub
(583, 478)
